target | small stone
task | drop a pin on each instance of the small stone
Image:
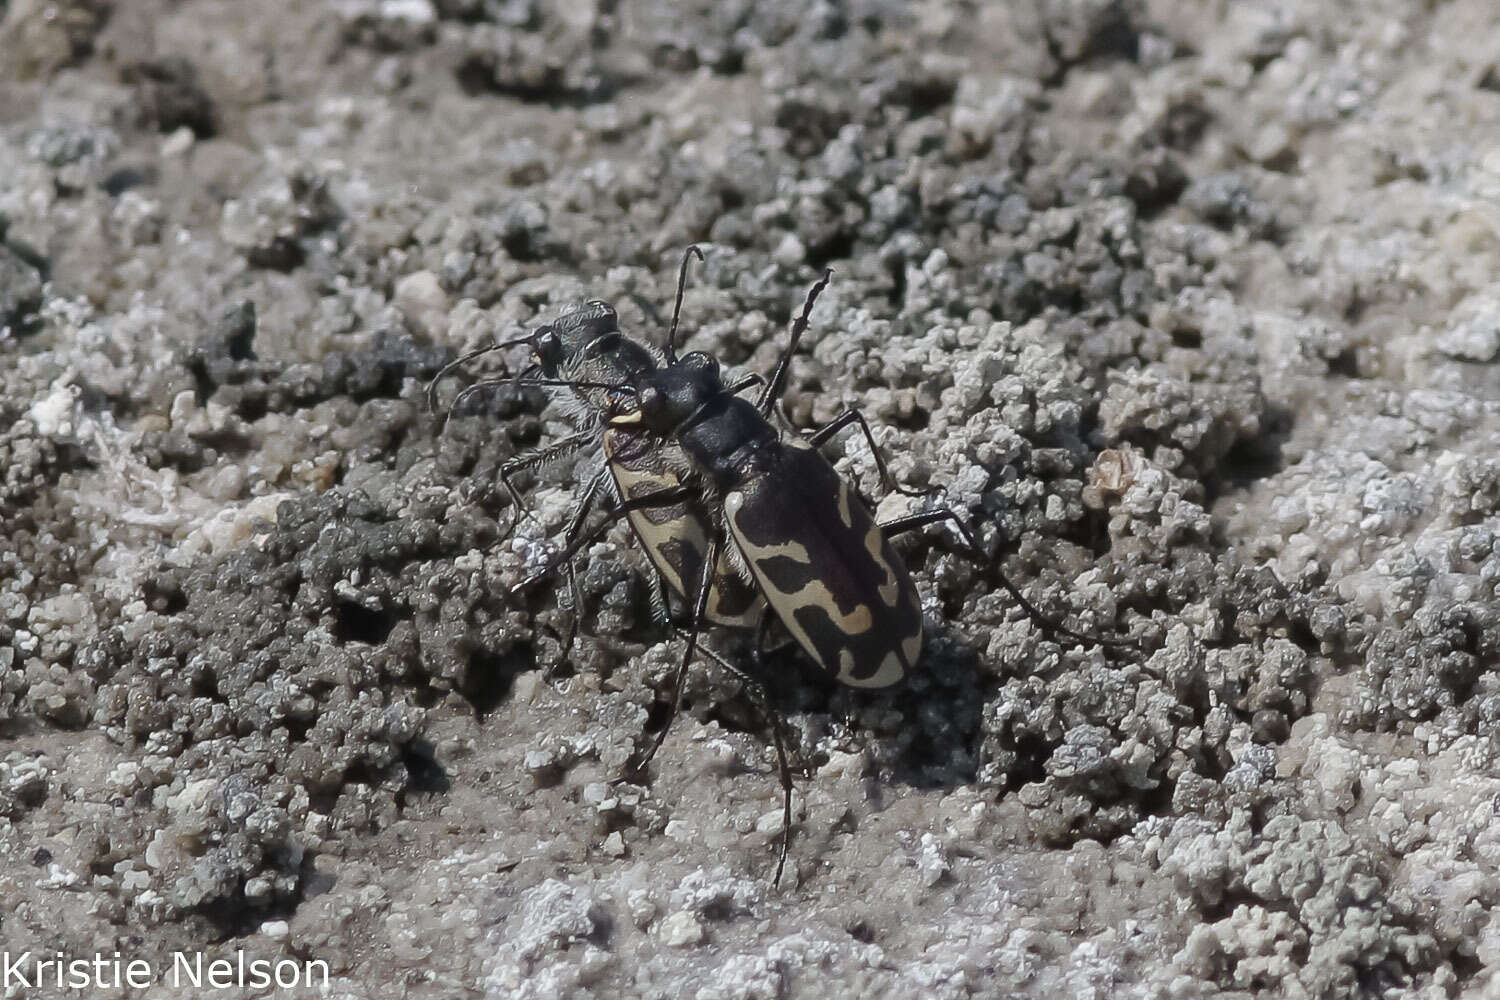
(421, 299)
(932, 865)
(53, 414)
(410, 11)
(178, 143)
(789, 252)
(770, 823)
(681, 930)
(1475, 331)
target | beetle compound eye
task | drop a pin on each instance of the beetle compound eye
(622, 406)
(547, 345)
(702, 362)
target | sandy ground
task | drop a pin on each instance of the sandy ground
(1190, 307)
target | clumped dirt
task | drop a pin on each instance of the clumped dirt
(1188, 307)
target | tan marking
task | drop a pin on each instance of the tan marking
(845, 514)
(652, 537)
(683, 528)
(654, 534)
(846, 666)
(726, 576)
(890, 590)
(911, 646)
(818, 595)
(636, 485)
(733, 501)
(628, 477)
(628, 417)
(813, 594)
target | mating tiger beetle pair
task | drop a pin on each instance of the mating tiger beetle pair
(744, 522)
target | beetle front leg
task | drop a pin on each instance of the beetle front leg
(532, 459)
(570, 570)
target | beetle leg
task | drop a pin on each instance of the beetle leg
(761, 698)
(700, 609)
(754, 378)
(774, 719)
(776, 723)
(853, 416)
(912, 522)
(773, 390)
(532, 459)
(571, 571)
(660, 498)
(760, 653)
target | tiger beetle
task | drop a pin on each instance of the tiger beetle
(585, 350)
(744, 522)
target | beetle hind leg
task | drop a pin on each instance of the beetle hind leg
(777, 726)
(972, 551)
(695, 626)
(753, 686)
(888, 482)
(760, 696)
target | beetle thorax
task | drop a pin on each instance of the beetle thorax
(730, 441)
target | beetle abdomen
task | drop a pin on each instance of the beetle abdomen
(826, 568)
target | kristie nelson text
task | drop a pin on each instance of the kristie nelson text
(33, 970)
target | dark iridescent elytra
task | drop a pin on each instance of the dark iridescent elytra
(826, 568)
(675, 535)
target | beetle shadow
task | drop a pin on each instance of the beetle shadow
(937, 744)
(924, 733)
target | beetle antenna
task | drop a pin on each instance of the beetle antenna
(777, 385)
(518, 380)
(687, 255)
(464, 359)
